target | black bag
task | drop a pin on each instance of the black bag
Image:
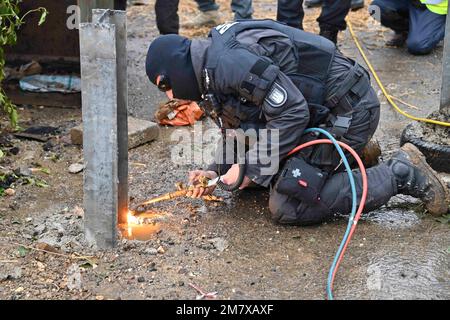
(302, 181)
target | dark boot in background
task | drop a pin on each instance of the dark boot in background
(329, 34)
(398, 39)
(357, 4)
(313, 3)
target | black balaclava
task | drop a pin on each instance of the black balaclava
(170, 55)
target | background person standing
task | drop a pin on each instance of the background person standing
(167, 19)
(356, 4)
(209, 12)
(421, 24)
(331, 19)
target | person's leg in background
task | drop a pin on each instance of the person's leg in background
(208, 15)
(291, 12)
(356, 4)
(332, 18)
(120, 5)
(167, 19)
(207, 5)
(426, 30)
(393, 14)
(242, 9)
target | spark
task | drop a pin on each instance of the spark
(131, 218)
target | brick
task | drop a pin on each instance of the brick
(139, 132)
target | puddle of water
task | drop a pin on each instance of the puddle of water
(393, 218)
(396, 276)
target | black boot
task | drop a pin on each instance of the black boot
(398, 39)
(313, 3)
(329, 34)
(357, 4)
(415, 177)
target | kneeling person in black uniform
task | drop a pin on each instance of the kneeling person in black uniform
(266, 75)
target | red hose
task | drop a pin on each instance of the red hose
(363, 196)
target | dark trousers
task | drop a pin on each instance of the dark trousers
(120, 5)
(425, 28)
(332, 16)
(241, 8)
(167, 19)
(336, 195)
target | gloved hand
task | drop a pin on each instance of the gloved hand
(199, 191)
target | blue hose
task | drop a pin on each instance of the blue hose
(354, 206)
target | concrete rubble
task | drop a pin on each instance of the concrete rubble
(139, 132)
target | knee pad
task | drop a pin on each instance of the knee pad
(419, 47)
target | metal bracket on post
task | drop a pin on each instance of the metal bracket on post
(103, 58)
(445, 89)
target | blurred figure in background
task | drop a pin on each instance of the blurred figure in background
(331, 19)
(356, 4)
(209, 12)
(120, 5)
(421, 24)
(167, 19)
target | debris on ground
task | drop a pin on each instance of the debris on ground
(51, 83)
(18, 73)
(38, 133)
(76, 168)
(203, 294)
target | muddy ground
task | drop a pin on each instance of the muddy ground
(398, 251)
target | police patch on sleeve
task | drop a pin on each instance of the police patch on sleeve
(277, 96)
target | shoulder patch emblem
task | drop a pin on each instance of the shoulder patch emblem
(277, 96)
(224, 27)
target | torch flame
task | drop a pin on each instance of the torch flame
(131, 219)
(141, 226)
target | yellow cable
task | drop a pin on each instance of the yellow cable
(380, 84)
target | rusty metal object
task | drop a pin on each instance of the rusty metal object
(212, 198)
(182, 190)
(165, 197)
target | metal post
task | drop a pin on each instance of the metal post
(86, 7)
(119, 20)
(445, 90)
(104, 100)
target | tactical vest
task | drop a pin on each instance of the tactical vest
(314, 57)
